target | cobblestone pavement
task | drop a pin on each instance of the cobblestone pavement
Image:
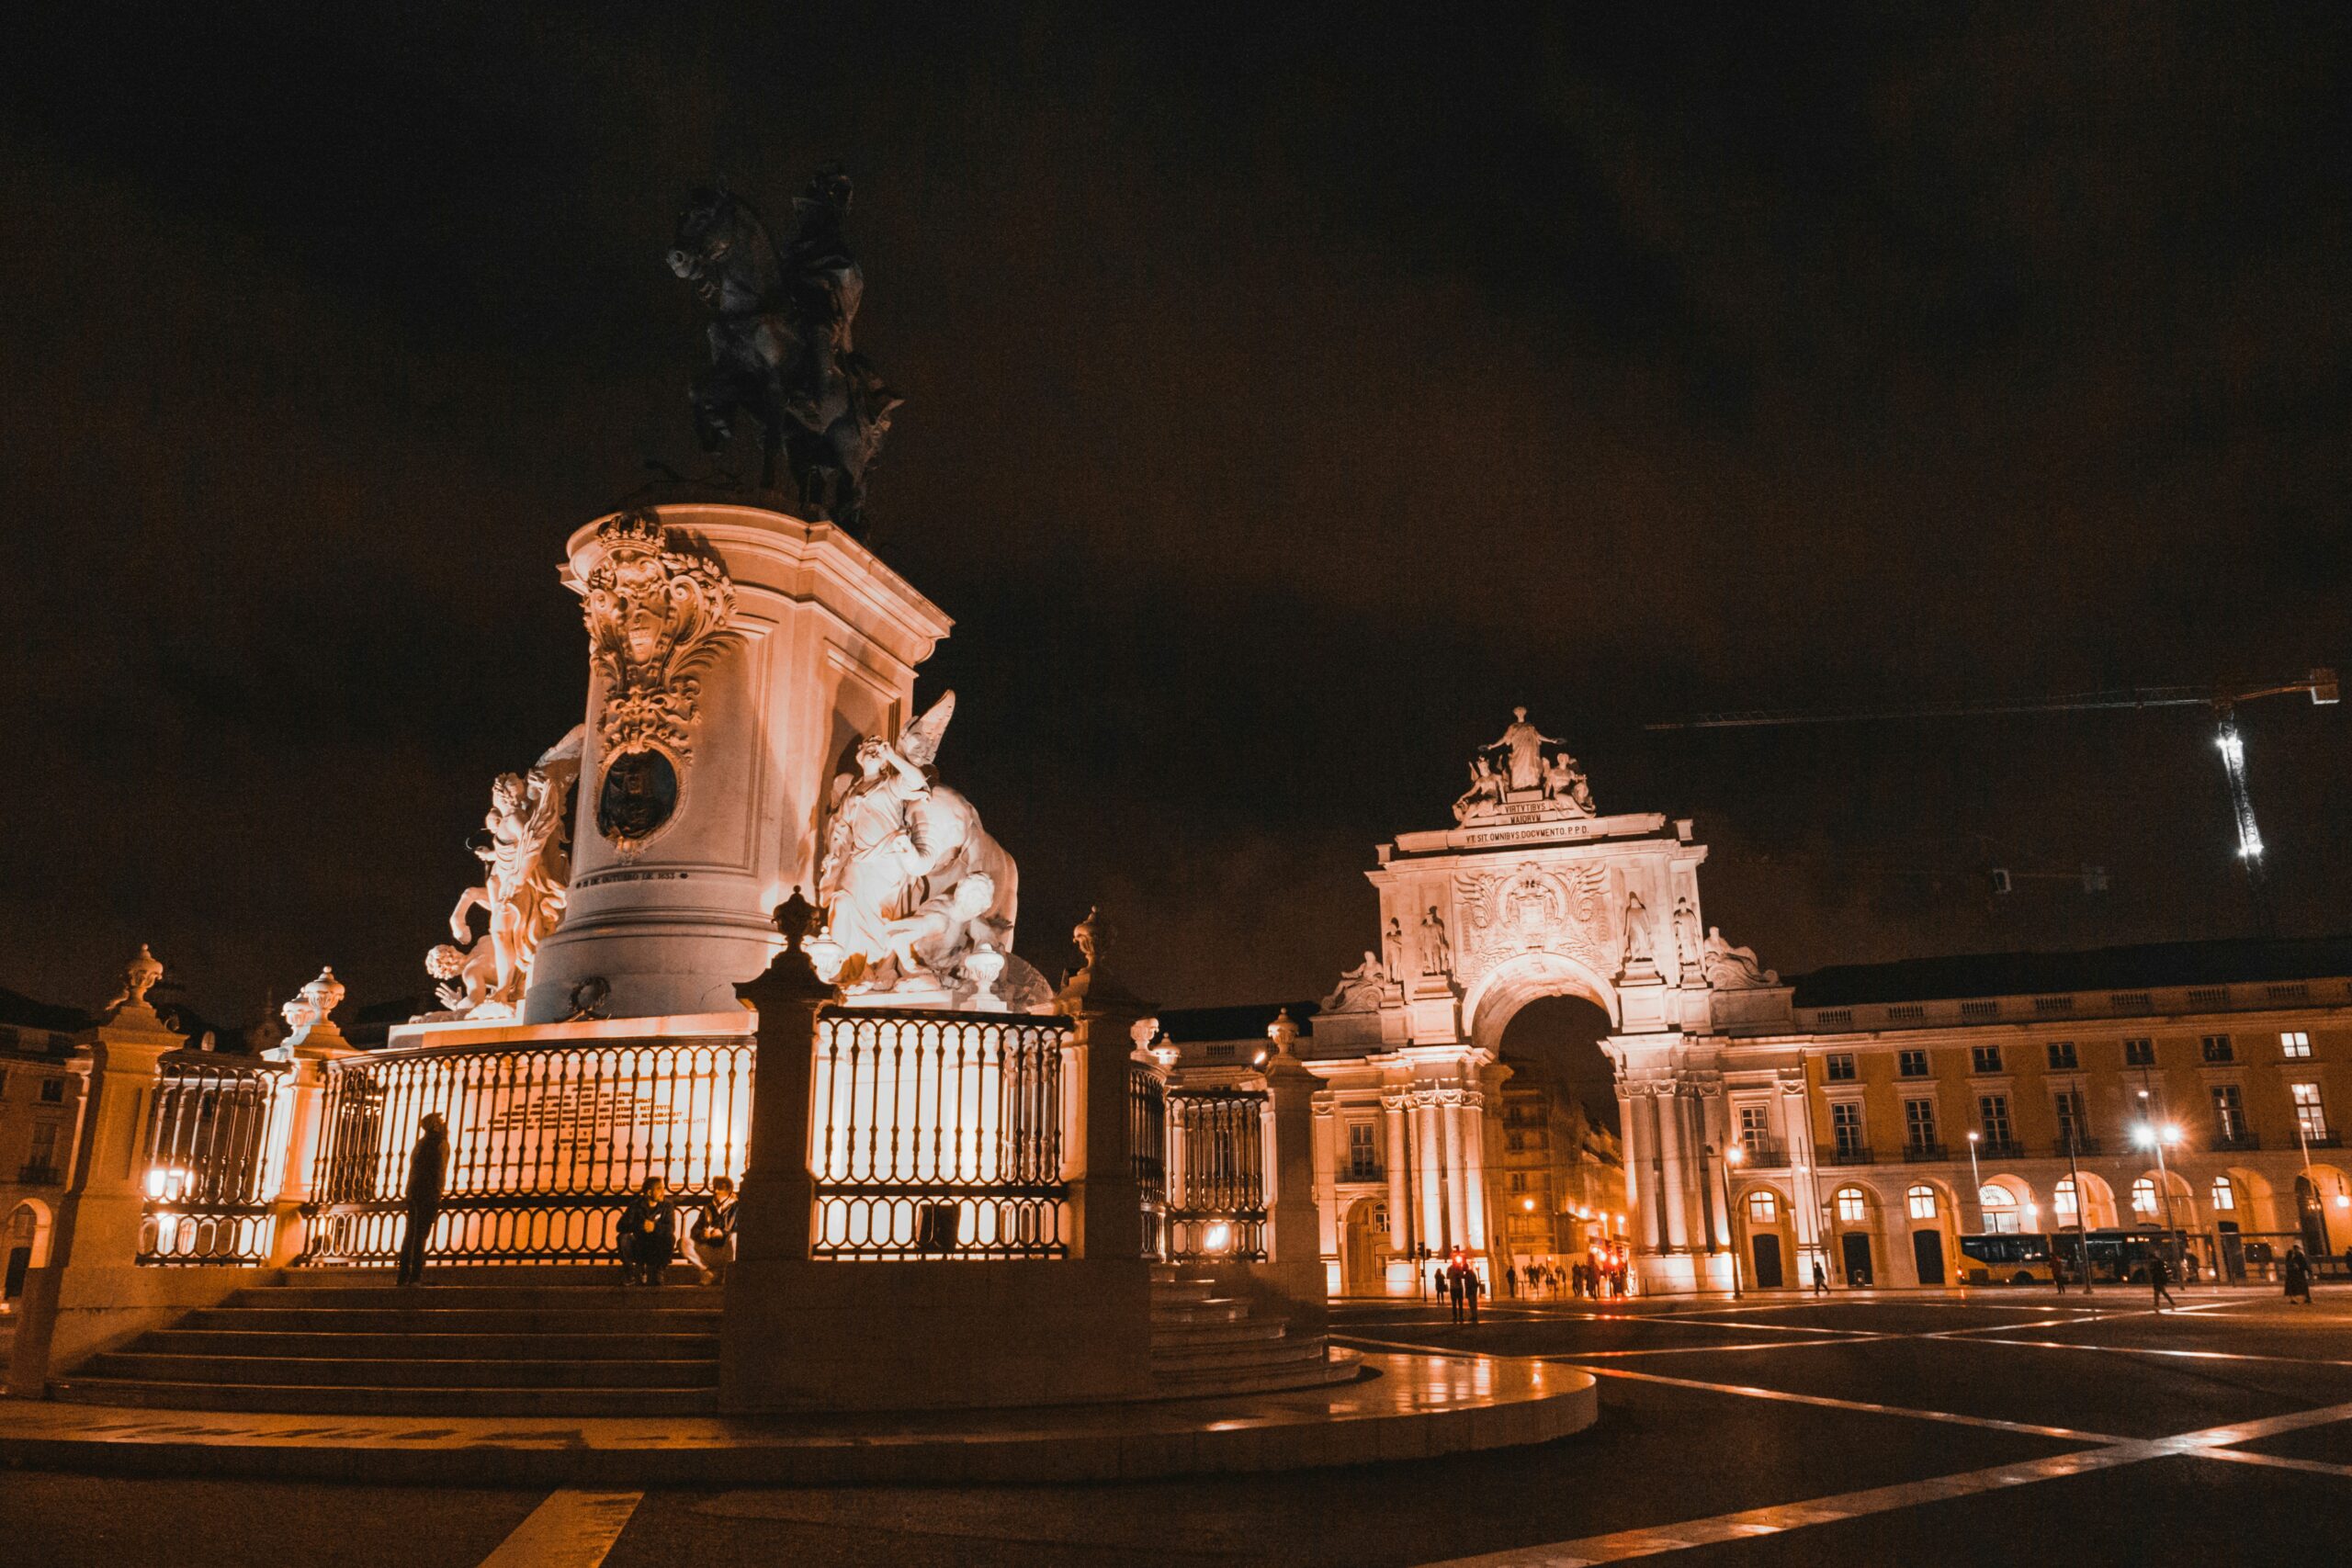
(1862, 1428)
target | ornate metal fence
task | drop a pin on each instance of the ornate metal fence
(215, 1148)
(546, 1144)
(1148, 1148)
(1219, 1202)
(940, 1134)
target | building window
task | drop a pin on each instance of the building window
(2068, 1103)
(2216, 1048)
(1921, 1200)
(53, 1091)
(2295, 1045)
(1912, 1063)
(2062, 1056)
(2062, 1202)
(1519, 1181)
(1853, 1209)
(1761, 1208)
(1363, 1152)
(44, 1149)
(2311, 1116)
(2225, 1197)
(1846, 1126)
(1993, 1115)
(1754, 1124)
(2144, 1198)
(1985, 1058)
(1515, 1141)
(2000, 1206)
(2139, 1052)
(1841, 1068)
(2229, 1112)
(1919, 1124)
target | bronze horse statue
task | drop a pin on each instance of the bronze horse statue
(780, 343)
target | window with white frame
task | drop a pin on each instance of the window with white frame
(2000, 1206)
(1755, 1124)
(2311, 1115)
(1993, 1115)
(1919, 1124)
(1364, 1152)
(1921, 1201)
(1762, 1207)
(2061, 1202)
(1846, 1126)
(1853, 1206)
(2139, 1052)
(1841, 1068)
(2225, 1196)
(1912, 1063)
(2294, 1044)
(2144, 1198)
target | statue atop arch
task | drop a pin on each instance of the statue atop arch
(1516, 779)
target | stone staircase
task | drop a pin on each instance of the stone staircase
(1206, 1344)
(466, 1342)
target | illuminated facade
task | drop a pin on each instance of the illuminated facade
(41, 1090)
(1859, 1109)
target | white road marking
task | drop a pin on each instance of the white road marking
(2209, 1443)
(571, 1530)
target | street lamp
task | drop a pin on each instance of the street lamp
(1975, 1182)
(2152, 1136)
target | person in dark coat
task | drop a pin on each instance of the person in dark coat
(428, 1168)
(648, 1234)
(2157, 1275)
(1820, 1279)
(2299, 1276)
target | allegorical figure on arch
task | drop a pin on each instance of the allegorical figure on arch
(782, 342)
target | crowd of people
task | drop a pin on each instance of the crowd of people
(1456, 1280)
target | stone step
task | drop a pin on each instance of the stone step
(508, 1298)
(1258, 1380)
(399, 1371)
(1217, 1331)
(358, 1399)
(510, 1343)
(1263, 1353)
(277, 1318)
(1183, 1290)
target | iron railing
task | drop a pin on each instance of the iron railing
(941, 1134)
(213, 1156)
(1147, 1149)
(546, 1144)
(1217, 1137)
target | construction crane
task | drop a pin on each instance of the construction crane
(2222, 700)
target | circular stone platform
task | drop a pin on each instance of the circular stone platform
(1412, 1407)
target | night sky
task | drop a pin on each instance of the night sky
(1290, 393)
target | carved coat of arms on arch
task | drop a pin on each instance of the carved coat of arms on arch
(1531, 909)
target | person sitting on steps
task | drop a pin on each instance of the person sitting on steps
(648, 1234)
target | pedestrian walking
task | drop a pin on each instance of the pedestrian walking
(428, 1168)
(2157, 1275)
(2299, 1276)
(1820, 1279)
(714, 1233)
(648, 1234)
(1471, 1287)
(1453, 1272)
(1510, 1278)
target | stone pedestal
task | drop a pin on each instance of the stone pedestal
(734, 714)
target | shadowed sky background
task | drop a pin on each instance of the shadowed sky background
(1290, 393)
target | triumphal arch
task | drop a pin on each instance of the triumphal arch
(1536, 892)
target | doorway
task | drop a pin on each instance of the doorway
(1854, 1248)
(1366, 1238)
(1928, 1251)
(1767, 1262)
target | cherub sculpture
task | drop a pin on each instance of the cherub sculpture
(526, 852)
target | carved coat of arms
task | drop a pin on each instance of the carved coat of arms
(659, 611)
(1531, 909)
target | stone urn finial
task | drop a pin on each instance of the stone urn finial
(1087, 933)
(138, 978)
(796, 918)
(310, 1013)
(1284, 1033)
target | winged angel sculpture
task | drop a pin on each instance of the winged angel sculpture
(912, 886)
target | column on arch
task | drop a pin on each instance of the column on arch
(1474, 1165)
(1428, 1161)
(1673, 1168)
(1400, 1197)
(1449, 1126)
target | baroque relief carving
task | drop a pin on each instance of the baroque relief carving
(1531, 909)
(659, 609)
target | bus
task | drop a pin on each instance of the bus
(2014, 1258)
(2122, 1256)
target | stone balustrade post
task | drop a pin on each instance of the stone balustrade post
(1107, 1204)
(315, 1045)
(96, 1243)
(1294, 1250)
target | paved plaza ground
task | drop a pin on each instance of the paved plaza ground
(1867, 1429)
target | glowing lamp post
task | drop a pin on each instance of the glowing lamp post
(1734, 1155)
(1975, 1182)
(2149, 1136)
